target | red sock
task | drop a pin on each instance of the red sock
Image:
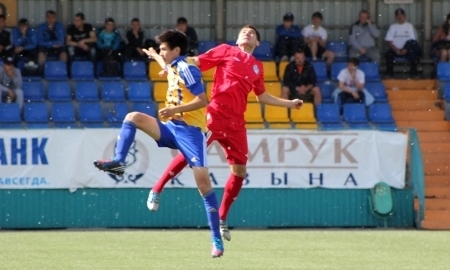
(175, 167)
(230, 193)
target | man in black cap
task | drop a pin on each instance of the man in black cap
(11, 82)
(288, 39)
(402, 42)
(182, 26)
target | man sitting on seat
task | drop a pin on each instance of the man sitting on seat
(402, 40)
(299, 81)
(362, 38)
(51, 39)
(351, 86)
(11, 82)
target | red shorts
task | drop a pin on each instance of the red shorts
(231, 134)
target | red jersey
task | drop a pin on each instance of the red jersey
(237, 73)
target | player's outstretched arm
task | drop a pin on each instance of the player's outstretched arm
(152, 54)
(198, 102)
(275, 101)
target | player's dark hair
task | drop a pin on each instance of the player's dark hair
(23, 21)
(80, 15)
(2, 16)
(181, 20)
(258, 36)
(317, 15)
(174, 39)
(300, 51)
(50, 12)
(135, 20)
(109, 19)
(354, 61)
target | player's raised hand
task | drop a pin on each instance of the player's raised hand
(150, 52)
(296, 103)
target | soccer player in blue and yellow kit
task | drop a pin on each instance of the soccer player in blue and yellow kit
(185, 102)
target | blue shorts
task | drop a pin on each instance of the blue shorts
(189, 140)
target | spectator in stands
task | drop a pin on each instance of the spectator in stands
(441, 41)
(11, 82)
(362, 38)
(402, 42)
(182, 26)
(81, 39)
(300, 80)
(108, 48)
(288, 38)
(51, 39)
(315, 39)
(135, 42)
(5, 39)
(24, 39)
(351, 86)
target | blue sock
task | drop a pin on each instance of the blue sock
(212, 212)
(124, 141)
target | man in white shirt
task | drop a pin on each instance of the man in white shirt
(402, 42)
(315, 39)
(351, 86)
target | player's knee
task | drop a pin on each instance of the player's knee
(133, 117)
(239, 170)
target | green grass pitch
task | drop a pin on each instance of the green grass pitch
(248, 249)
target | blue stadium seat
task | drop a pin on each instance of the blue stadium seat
(33, 91)
(264, 51)
(59, 91)
(340, 49)
(115, 113)
(113, 91)
(36, 115)
(206, 45)
(355, 115)
(86, 91)
(63, 115)
(82, 71)
(90, 114)
(321, 70)
(381, 113)
(148, 108)
(328, 117)
(10, 115)
(443, 71)
(140, 92)
(336, 67)
(135, 71)
(378, 91)
(100, 66)
(55, 70)
(326, 89)
(371, 71)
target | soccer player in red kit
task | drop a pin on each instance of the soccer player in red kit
(237, 73)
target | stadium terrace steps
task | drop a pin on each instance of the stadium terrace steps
(432, 204)
(410, 84)
(437, 169)
(422, 115)
(437, 181)
(415, 103)
(419, 105)
(434, 137)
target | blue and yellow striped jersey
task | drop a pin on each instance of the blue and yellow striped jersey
(185, 83)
